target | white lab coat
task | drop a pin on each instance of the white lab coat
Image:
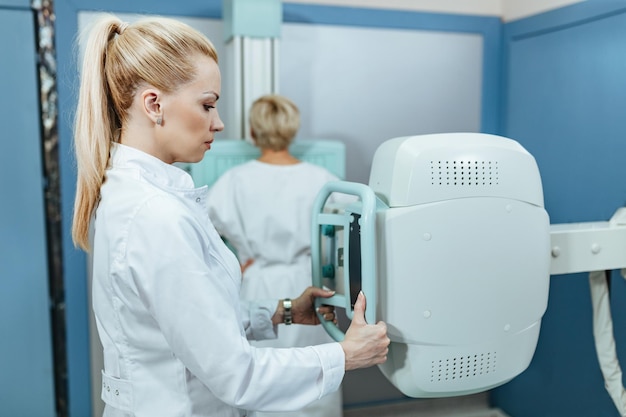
(264, 211)
(166, 302)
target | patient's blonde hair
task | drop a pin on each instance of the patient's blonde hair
(118, 59)
(274, 122)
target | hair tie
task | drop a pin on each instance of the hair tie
(121, 28)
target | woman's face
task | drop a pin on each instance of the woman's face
(189, 116)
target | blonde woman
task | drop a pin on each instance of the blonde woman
(263, 208)
(165, 288)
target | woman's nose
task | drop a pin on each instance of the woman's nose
(218, 125)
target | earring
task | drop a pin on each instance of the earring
(159, 120)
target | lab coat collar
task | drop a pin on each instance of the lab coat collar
(152, 168)
(157, 172)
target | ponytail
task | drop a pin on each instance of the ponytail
(95, 127)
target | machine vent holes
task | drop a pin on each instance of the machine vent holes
(464, 173)
(462, 367)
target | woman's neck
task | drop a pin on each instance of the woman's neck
(282, 157)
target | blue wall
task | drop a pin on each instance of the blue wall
(26, 353)
(565, 73)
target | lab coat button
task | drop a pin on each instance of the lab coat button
(198, 200)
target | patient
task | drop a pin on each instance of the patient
(263, 208)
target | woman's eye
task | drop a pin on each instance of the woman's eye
(207, 107)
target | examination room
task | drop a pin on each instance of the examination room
(482, 145)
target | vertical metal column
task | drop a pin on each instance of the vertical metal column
(252, 29)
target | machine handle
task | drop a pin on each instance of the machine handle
(367, 223)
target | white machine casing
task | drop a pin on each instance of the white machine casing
(463, 254)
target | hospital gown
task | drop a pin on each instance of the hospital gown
(264, 212)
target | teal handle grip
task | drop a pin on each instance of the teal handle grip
(320, 221)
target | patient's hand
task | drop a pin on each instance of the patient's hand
(246, 264)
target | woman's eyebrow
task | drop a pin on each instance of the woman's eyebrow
(217, 96)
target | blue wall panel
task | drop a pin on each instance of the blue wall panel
(566, 103)
(22, 4)
(26, 371)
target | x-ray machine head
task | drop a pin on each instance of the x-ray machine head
(450, 243)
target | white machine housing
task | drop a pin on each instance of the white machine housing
(463, 261)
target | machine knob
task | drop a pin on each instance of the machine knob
(328, 271)
(328, 230)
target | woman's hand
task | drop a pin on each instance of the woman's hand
(365, 344)
(303, 308)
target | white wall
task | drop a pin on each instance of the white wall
(366, 85)
(474, 7)
(507, 9)
(517, 9)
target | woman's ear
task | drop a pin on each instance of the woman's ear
(151, 105)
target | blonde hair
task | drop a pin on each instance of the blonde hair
(274, 122)
(119, 58)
